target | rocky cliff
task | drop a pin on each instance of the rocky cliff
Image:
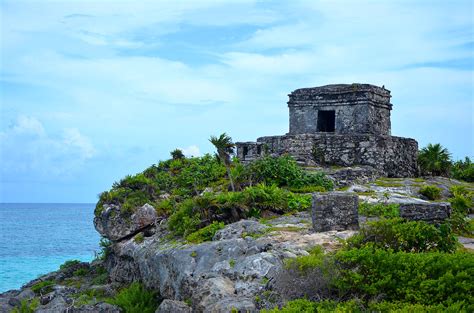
(236, 271)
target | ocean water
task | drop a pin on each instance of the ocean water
(37, 238)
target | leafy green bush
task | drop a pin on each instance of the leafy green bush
(284, 172)
(379, 209)
(139, 238)
(184, 177)
(135, 299)
(462, 204)
(356, 306)
(81, 272)
(185, 219)
(205, 233)
(431, 192)
(105, 249)
(43, 287)
(299, 202)
(304, 263)
(68, 264)
(398, 234)
(463, 170)
(195, 213)
(424, 278)
(27, 306)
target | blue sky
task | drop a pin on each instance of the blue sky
(94, 90)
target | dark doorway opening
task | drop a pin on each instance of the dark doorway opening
(326, 121)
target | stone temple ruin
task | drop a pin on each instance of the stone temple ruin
(343, 125)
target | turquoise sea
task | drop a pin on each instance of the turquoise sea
(36, 238)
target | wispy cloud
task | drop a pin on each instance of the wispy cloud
(82, 78)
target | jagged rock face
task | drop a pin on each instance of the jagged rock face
(172, 306)
(112, 225)
(225, 273)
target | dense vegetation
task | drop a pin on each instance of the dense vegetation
(212, 190)
(436, 160)
(391, 265)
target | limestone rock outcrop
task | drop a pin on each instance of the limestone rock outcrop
(114, 226)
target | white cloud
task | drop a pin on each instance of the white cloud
(27, 149)
(191, 151)
(75, 140)
(27, 125)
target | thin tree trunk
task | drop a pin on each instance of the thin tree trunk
(230, 178)
(233, 210)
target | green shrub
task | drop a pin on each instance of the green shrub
(353, 306)
(68, 264)
(431, 192)
(463, 170)
(298, 202)
(105, 249)
(185, 220)
(135, 299)
(398, 234)
(205, 233)
(462, 205)
(101, 279)
(89, 296)
(304, 263)
(81, 272)
(185, 177)
(424, 278)
(27, 306)
(139, 238)
(192, 214)
(43, 287)
(379, 209)
(283, 171)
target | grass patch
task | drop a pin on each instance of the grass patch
(383, 183)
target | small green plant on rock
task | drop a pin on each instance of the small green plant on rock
(27, 306)
(43, 287)
(205, 233)
(431, 192)
(379, 209)
(68, 264)
(139, 238)
(135, 299)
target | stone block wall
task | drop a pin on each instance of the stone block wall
(335, 211)
(359, 109)
(392, 156)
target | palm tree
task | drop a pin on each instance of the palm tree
(434, 160)
(225, 148)
(177, 154)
